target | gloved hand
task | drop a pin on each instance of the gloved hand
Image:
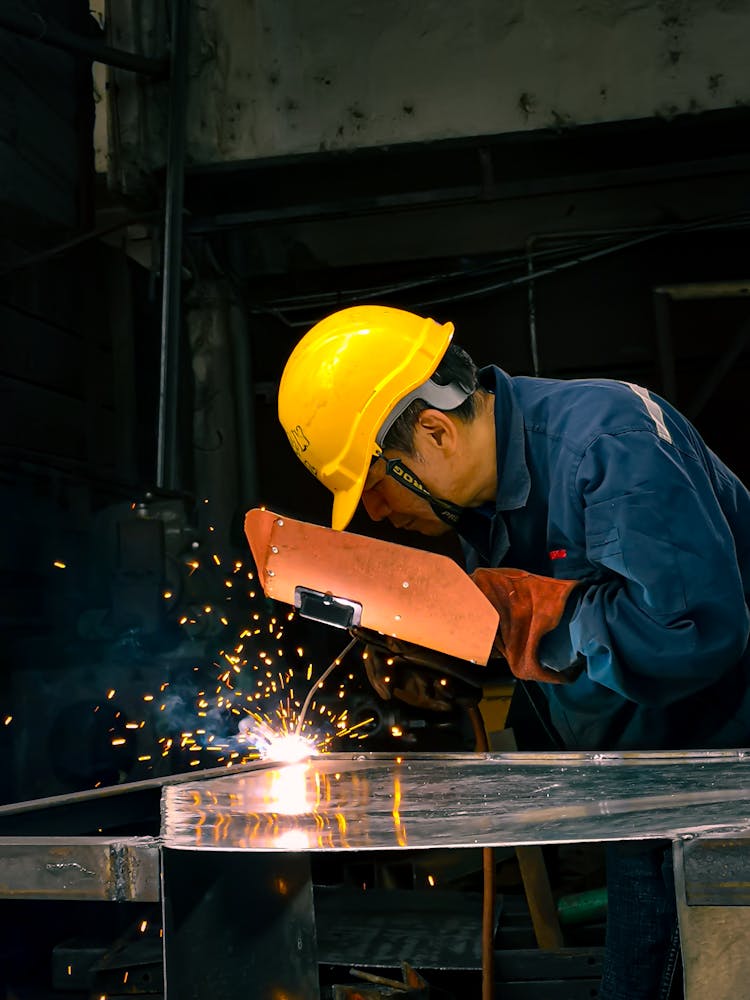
(420, 677)
(529, 606)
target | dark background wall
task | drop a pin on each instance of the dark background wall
(612, 212)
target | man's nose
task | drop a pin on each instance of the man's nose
(376, 506)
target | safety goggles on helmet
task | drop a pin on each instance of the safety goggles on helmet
(441, 397)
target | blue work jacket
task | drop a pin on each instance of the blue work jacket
(603, 482)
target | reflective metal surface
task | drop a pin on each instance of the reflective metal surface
(382, 801)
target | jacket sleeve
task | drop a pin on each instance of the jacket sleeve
(664, 613)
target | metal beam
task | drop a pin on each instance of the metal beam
(698, 290)
(664, 344)
(84, 868)
(33, 26)
(715, 956)
(79, 813)
(717, 871)
(167, 448)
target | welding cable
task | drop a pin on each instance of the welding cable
(641, 234)
(481, 745)
(531, 275)
(319, 684)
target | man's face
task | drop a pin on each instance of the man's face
(385, 498)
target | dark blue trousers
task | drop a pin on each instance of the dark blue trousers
(642, 946)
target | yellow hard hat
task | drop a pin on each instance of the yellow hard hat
(341, 383)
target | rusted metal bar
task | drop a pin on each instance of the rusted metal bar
(82, 868)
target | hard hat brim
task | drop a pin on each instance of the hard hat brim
(345, 503)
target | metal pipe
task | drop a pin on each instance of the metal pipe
(665, 347)
(167, 452)
(531, 302)
(244, 401)
(47, 32)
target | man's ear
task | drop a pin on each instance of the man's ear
(436, 429)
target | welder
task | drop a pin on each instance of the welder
(613, 542)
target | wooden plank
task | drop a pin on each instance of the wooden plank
(539, 897)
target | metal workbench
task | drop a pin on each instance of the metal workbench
(231, 863)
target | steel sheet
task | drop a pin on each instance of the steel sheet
(381, 801)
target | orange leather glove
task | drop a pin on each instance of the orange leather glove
(529, 606)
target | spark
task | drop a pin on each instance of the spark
(287, 748)
(250, 685)
(59, 564)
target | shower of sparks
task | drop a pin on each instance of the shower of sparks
(285, 746)
(256, 699)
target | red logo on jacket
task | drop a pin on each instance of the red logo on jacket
(558, 554)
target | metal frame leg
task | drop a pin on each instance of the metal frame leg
(238, 924)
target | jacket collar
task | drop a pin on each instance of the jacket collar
(513, 479)
(483, 529)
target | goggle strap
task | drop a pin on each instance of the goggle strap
(448, 512)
